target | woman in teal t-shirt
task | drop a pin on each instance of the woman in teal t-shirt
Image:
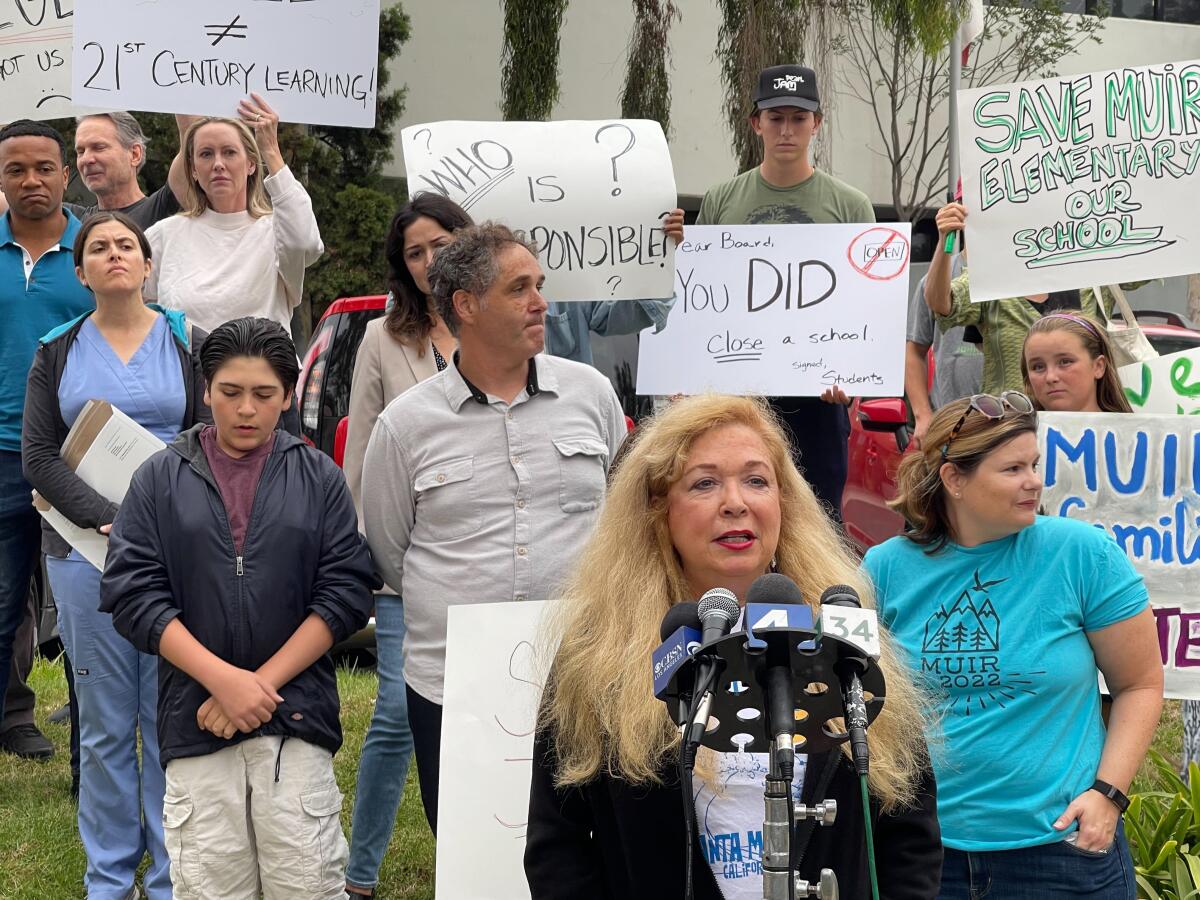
(1010, 615)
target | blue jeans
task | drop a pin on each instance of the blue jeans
(20, 538)
(386, 753)
(120, 808)
(1055, 871)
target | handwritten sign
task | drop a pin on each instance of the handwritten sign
(591, 195)
(1077, 181)
(1137, 477)
(35, 59)
(492, 689)
(313, 61)
(784, 310)
(1166, 384)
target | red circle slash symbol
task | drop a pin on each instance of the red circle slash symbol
(880, 254)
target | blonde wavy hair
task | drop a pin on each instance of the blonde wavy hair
(196, 201)
(599, 702)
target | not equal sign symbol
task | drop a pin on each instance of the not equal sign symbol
(220, 32)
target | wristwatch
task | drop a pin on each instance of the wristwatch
(1121, 801)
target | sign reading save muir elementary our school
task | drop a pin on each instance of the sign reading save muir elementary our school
(1081, 180)
(784, 310)
(1138, 478)
(313, 61)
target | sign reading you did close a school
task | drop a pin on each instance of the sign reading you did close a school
(784, 310)
(313, 61)
(1081, 180)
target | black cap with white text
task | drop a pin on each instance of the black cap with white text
(787, 86)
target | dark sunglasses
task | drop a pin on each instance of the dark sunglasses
(991, 407)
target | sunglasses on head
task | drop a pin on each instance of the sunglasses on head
(991, 407)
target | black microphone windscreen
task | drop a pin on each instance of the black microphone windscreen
(840, 595)
(774, 588)
(679, 616)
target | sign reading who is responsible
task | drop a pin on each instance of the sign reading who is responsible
(314, 61)
(784, 310)
(1081, 180)
(591, 195)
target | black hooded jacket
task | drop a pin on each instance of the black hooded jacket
(171, 554)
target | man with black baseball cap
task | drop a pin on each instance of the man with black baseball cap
(787, 189)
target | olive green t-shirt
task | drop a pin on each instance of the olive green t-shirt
(749, 199)
(1004, 325)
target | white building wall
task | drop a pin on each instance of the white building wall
(451, 66)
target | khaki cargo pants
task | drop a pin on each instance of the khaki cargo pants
(260, 816)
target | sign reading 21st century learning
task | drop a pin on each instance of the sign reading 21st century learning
(591, 195)
(1137, 477)
(784, 310)
(1080, 180)
(313, 61)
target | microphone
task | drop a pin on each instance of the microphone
(680, 634)
(779, 591)
(849, 669)
(681, 615)
(718, 610)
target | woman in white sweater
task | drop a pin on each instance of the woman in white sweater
(233, 252)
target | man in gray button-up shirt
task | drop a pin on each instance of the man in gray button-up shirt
(481, 484)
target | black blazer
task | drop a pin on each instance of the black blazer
(612, 840)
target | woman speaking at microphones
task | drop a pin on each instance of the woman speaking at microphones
(707, 497)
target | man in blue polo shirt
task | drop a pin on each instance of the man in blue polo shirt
(38, 291)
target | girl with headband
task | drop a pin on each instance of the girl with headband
(1067, 366)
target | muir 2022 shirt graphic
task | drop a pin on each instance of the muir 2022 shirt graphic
(963, 652)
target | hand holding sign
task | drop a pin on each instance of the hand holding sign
(264, 122)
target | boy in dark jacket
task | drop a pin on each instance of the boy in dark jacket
(236, 557)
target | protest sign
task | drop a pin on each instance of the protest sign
(784, 310)
(1166, 384)
(1137, 476)
(313, 61)
(35, 59)
(1076, 181)
(493, 685)
(591, 195)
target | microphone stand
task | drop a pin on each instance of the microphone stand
(779, 881)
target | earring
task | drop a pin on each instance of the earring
(774, 567)
(958, 496)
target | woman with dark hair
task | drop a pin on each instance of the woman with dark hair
(409, 344)
(142, 360)
(1012, 616)
(1067, 366)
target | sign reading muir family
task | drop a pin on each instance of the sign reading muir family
(784, 310)
(1079, 180)
(1137, 477)
(591, 195)
(35, 60)
(313, 61)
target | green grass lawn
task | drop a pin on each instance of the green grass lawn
(40, 853)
